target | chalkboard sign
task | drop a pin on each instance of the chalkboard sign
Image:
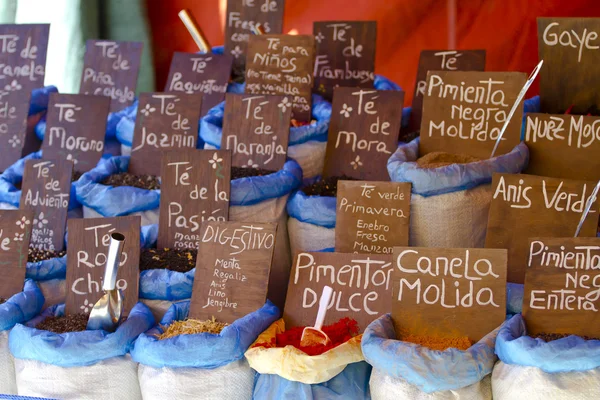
(256, 129)
(448, 292)
(164, 121)
(463, 112)
(89, 239)
(195, 188)
(200, 73)
(363, 133)
(569, 48)
(283, 65)
(23, 65)
(242, 17)
(441, 60)
(362, 287)
(46, 191)
(232, 270)
(526, 206)
(75, 129)
(111, 69)
(371, 217)
(345, 55)
(15, 232)
(561, 286)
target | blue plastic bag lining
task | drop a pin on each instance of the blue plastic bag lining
(514, 298)
(77, 349)
(22, 306)
(316, 210)
(351, 383)
(203, 350)
(571, 353)
(40, 98)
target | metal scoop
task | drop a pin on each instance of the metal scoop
(107, 312)
(314, 335)
(588, 207)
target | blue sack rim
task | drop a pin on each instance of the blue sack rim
(316, 210)
(22, 306)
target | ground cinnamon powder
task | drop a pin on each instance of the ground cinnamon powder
(439, 159)
(439, 343)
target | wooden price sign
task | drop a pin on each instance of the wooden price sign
(363, 133)
(89, 239)
(75, 129)
(283, 65)
(526, 206)
(561, 286)
(569, 48)
(345, 55)
(15, 232)
(448, 292)
(164, 121)
(441, 60)
(256, 129)
(195, 188)
(232, 270)
(563, 146)
(463, 112)
(46, 191)
(242, 17)
(372, 217)
(111, 69)
(361, 287)
(23, 63)
(200, 73)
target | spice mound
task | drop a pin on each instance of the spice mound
(76, 175)
(238, 172)
(35, 255)
(409, 137)
(192, 326)
(439, 343)
(64, 324)
(439, 159)
(147, 182)
(326, 187)
(178, 260)
(297, 124)
(2, 300)
(549, 337)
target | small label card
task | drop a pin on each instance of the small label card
(526, 206)
(345, 55)
(282, 65)
(195, 188)
(15, 232)
(448, 292)
(46, 191)
(164, 121)
(463, 112)
(75, 129)
(89, 239)
(363, 133)
(256, 129)
(111, 69)
(200, 73)
(232, 270)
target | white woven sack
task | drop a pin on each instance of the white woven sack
(234, 381)
(125, 150)
(309, 237)
(159, 307)
(54, 291)
(149, 217)
(114, 379)
(8, 384)
(518, 382)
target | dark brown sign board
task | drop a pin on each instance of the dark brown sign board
(363, 132)
(569, 48)
(111, 69)
(563, 146)
(242, 16)
(463, 112)
(22, 68)
(561, 286)
(232, 270)
(345, 55)
(200, 73)
(371, 217)
(282, 65)
(89, 239)
(46, 191)
(256, 129)
(75, 129)
(195, 188)
(15, 232)
(362, 287)
(448, 292)
(526, 206)
(441, 60)
(165, 121)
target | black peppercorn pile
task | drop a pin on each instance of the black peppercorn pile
(2, 300)
(64, 324)
(326, 187)
(548, 337)
(182, 260)
(237, 172)
(36, 255)
(147, 182)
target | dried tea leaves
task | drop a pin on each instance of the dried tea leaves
(192, 327)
